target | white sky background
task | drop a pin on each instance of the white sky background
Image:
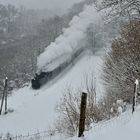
(42, 4)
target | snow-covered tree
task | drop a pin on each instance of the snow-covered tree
(120, 8)
(122, 65)
(95, 37)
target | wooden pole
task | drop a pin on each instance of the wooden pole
(133, 105)
(3, 95)
(6, 80)
(95, 88)
(82, 114)
(135, 95)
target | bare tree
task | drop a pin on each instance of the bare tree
(119, 8)
(122, 65)
(69, 109)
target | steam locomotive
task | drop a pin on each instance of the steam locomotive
(39, 78)
(43, 77)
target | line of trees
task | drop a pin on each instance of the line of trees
(122, 65)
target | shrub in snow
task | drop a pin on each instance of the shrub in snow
(117, 108)
(8, 136)
(120, 110)
(69, 109)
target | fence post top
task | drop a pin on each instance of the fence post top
(84, 94)
(137, 82)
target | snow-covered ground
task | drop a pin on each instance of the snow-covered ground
(124, 127)
(34, 110)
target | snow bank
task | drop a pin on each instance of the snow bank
(68, 41)
(124, 127)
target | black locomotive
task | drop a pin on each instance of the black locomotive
(43, 77)
(38, 79)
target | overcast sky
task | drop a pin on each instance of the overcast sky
(41, 4)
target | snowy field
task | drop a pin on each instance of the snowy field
(34, 110)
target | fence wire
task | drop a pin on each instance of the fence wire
(41, 135)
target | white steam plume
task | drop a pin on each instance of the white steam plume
(66, 43)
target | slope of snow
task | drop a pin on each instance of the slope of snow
(35, 109)
(124, 127)
(68, 42)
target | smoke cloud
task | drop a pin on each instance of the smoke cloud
(66, 43)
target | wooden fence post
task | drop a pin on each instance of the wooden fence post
(82, 114)
(135, 95)
(3, 96)
(6, 80)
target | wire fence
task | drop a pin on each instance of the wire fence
(41, 135)
(49, 135)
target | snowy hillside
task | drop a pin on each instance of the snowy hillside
(34, 110)
(123, 127)
(80, 55)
